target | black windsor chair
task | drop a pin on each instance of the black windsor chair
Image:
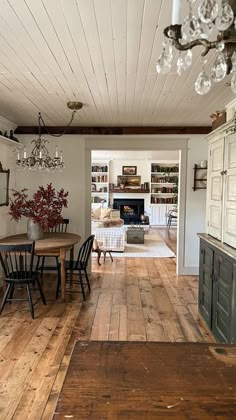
(79, 267)
(17, 263)
(60, 228)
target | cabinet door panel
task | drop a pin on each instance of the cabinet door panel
(163, 215)
(205, 284)
(229, 228)
(222, 298)
(215, 217)
(230, 149)
(155, 215)
(215, 188)
(158, 214)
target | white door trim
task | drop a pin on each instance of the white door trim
(142, 143)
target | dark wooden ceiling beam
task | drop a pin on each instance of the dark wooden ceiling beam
(118, 130)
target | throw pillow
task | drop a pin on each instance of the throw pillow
(105, 213)
(96, 213)
(113, 223)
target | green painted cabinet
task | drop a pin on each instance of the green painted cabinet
(217, 291)
(205, 284)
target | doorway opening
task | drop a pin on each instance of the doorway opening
(179, 147)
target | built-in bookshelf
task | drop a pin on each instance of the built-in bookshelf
(100, 183)
(163, 190)
(164, 183)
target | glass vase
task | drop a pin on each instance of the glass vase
(34, 230)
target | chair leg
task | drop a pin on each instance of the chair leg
(40, 291)
(99, 255)
(11, 291)
(5, 297)
(104, 255)
(42, 266)
(82, 284)
(58, 267)
(58, 287)
(87, 279)
(110, 255)
(37, 265)
(168, 223)
(31, 306)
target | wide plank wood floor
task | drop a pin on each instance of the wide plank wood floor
(131, 299)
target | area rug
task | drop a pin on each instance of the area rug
(138, 380)
(153, 247)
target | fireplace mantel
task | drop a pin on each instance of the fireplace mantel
(129, 191)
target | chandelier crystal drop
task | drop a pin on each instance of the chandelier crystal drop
(39, 159)
(207, 11)
(206, 18)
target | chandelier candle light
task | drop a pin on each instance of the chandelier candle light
(39, 158)
(211, 16)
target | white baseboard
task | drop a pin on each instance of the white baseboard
(189, 271)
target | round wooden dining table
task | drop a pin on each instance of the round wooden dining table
(51, 245)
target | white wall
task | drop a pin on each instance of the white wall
(7, 158)
(72, 179)
(152, 155)
(143, 170)
(195, 203)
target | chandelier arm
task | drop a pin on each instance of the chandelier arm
(64, 129)
(173, 32)
(201, 42)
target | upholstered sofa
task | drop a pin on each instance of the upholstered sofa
(108, 229)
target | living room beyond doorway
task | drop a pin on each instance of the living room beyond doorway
(131, 193)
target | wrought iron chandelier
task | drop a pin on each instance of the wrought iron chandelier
(210, 18)
(39, 159)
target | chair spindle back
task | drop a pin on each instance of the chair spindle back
(61, 227)
(84, 252)
(17, 260)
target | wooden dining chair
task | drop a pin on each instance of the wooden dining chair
(17, 263)
(78, 267)
(60, 228)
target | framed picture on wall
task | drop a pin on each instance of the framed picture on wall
(129, 170)
(129, 181)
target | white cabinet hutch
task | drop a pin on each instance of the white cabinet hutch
(221, 184)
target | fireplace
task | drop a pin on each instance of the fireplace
(130, 209)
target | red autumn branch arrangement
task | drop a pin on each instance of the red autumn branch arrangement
(44, 207)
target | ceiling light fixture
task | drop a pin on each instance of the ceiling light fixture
(211, 16)
(39, 158)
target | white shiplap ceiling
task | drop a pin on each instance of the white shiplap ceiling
(102, 53)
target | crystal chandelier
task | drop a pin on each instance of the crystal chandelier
(209, 17)
(39, 158)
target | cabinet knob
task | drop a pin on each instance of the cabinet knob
(214, 278)
(223, 172)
